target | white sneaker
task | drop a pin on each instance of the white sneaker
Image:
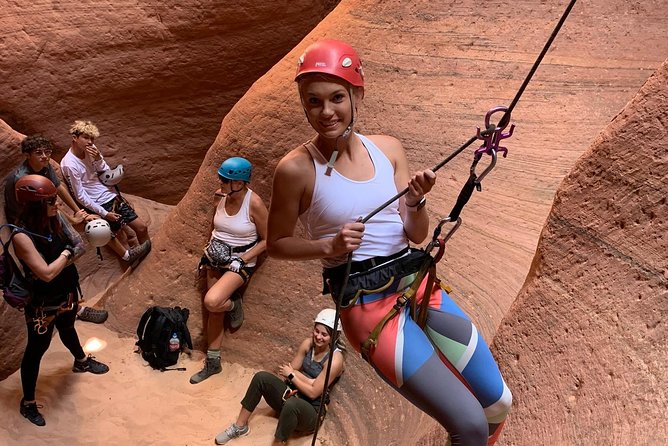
(231, 433)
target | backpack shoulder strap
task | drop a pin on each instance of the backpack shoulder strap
(14, 263)
(141, 328)
(182, 324)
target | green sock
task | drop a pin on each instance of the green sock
(213, 354)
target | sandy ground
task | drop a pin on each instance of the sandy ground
(132, 404)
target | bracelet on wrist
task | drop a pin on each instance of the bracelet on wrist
(417, 206)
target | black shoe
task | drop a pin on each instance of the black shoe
(31, 413)
(211, 367)
(92, 315)
(90, 365)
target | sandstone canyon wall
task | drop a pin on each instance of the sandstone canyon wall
(156, 76)
(432, 70)
(586, 341)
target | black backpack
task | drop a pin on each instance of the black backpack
(157, 327)
(14, 286)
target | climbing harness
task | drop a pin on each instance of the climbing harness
(45, 315)
(491, 137)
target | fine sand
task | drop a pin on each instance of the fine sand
(132, 404)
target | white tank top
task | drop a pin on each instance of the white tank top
(235, 230)
(338, 200)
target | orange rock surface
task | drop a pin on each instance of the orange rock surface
(585, 342)
(156, 76)
(433, 70)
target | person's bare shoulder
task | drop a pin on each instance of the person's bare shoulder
(257, 201)
(389, 145)
(295, 169)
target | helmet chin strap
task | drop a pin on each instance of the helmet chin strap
(345, 135)
(232, 191)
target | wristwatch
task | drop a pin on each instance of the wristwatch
(416, 207)
(290, 376)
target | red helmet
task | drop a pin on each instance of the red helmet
(332, 57)
(34, 188)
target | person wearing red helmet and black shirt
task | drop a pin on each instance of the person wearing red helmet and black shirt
(46, 250)
(37, 150)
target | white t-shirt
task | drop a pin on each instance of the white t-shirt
(81, 177)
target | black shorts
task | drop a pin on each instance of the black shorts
(120, 206)
(245, 273)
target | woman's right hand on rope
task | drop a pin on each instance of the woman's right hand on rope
(348, 239)
(420, 185)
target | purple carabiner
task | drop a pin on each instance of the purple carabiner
(494, 133)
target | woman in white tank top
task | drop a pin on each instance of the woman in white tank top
(240, 222)
(329, 183)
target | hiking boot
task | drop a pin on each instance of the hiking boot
(31, 413)
(231, 433)
(137, 253)
(90, 365)
(92, 315)
(236, 314)
(211, 367)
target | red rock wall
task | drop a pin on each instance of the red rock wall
(433, 69)
(585, 343)
(156, 76)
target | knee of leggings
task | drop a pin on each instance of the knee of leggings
(498, 411)
(261, 376)
(472, 428)
(506, 401)
(259, 380)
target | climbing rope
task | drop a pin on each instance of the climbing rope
(492, 135)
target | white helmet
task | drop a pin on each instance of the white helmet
(98, 232)
(112, 177)
(326, 318)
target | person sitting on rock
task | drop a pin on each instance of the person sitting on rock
(296, 393)
(82, 166)
(238, 237)
(47, 249)
(37, 150)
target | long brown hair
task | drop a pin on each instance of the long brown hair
(34, 217)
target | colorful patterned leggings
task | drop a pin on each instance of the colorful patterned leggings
(447, 370)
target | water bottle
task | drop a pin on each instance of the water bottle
(174, 343)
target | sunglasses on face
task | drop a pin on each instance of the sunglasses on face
(51, 200)
(224, 180)
(42, 152)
